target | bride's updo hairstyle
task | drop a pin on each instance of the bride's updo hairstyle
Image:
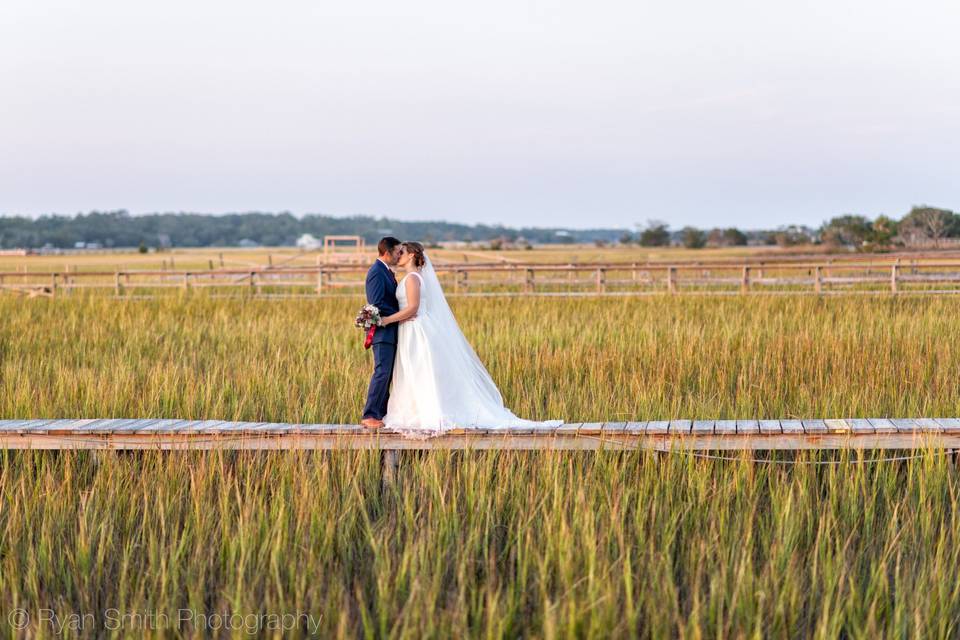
(415, 249)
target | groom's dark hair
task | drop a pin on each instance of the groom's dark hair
(386, 245)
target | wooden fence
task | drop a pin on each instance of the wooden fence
(915, 276)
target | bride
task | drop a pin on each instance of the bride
(438, 381)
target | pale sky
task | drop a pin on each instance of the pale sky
(755, 113)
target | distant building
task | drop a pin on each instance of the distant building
(247, 243)
(308, 242)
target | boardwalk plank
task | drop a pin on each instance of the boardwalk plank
(700, 427)
(748, 426)
(679, 427)
(84, 426)
(814, 426)
(160, 425)
(130, 426)
(592, 428)
(176, 426)
(860, 426)
(837, 425)
(929, 425)
(883, 425)
(337, 429)
(949, 424)
(770, 427)
(35, 426)
(725, 427)
(658, 427)
(609, 427)
(19, 426)
(568, 429)
(906, 425)
(792, 426)
(111, 425)
(198, 426)
(636, 428)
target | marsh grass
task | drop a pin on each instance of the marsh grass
(580, 359)
(488, 544)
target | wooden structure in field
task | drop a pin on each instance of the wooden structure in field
(344, 249)
(664, 435)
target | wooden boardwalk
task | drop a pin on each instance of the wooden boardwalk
(851, 433)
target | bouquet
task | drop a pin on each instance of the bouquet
(368, 319)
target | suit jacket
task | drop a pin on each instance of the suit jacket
(382, 293)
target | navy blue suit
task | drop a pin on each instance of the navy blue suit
(382, 293)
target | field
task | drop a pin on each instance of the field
(232, 258)
(487, 544)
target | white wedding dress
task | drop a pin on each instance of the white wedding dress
(438, 381)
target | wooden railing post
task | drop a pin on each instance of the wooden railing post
(118, 289)
(817, 280)
(319, 281)
(601, 281)
(186, 280)
(671, 279)
(466, 281)
(745, 280)
(53, 283)
(528, 284)
(253, 283)
(893, 278)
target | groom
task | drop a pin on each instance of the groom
(382, 293)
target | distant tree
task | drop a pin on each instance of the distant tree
(850, 230)
(729, 237)
(626, 238)
(929, 223)
(883, 231)
(693, 238)
(656, 234)
(735, 237)
(790, 236)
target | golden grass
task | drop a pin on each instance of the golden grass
(486, 544)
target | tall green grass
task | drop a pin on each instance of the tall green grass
(486, 544)
(578, 359)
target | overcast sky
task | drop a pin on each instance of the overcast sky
(755, 113)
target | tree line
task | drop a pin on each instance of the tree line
(922, 225)
(120, 229)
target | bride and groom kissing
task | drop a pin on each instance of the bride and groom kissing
(427, 379)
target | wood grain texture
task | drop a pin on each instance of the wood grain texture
(855, 433)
